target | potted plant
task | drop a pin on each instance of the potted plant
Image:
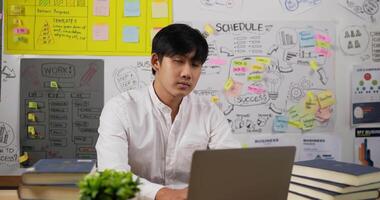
(109, 185)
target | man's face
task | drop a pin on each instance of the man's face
(176, 76)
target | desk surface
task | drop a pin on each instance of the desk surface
(8, 194)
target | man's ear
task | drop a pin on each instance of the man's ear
(155, 61)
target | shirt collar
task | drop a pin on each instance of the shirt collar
(158, 103)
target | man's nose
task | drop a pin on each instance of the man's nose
(186, 71)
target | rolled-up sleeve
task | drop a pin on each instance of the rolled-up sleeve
(112, 148)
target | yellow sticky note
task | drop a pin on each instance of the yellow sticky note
(308, 122)
(160, 9)
(240, 63)
(214, 99)
(244, 146)
(254, 77)
(209, 29)
(295, 112)
(31, 130)
(296, 124)
(32, 105)
(323, 44)
(313, 64)
(31, 117)
(263, 60)
(54, 84)
(257, 68)
(23, 158)
(311, 103)
(228, 85)
(326, 98)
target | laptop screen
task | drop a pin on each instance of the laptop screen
(244, 174)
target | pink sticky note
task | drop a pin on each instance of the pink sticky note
(322, 51)
(216, 61)
(322, 37)
(235, 89)
(255, 89)
(239, 69)
(323, 114)
(100, 32)
(101, 7)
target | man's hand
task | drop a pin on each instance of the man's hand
(171, 194)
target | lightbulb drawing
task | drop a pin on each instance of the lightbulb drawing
(273, 80)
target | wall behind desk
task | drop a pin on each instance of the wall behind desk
(123, 73)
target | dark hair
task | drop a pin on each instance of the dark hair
(179, 39)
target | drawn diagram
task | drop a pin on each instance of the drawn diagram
(354, 40)
(297, 6)
(8, 148)
(367, 10)
(61, 101)
(133, 77)
(267, 77)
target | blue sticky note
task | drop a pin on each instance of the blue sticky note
(131, 34)
(131, 8)
(280, 124)
(307, 39)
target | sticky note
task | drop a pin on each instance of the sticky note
(323, 51)
(239, 69)
(257, 68)
(214, 99)
(17, 10)
(235, 89)
(255, 89)
(311, 103)
(31, 130)
(31, 117)
(306, 39)
(240, 63)
(101, 7)
(160, 8)
(308, 122)
(255, 77)
(229, 83)
(296, 124)
(131, 34)
(244, 146)
(323, 37)
(216, 61)
(54, 84)
(323, 114)
(100, 32)
(326, 98)
(131, 8)
(23, 158)
(32, 105)
(313, 64)
(263, 60)
(209, 29)
(280, 124)
(322, 44)
(295, 112)
(153, 32)
(19, 38)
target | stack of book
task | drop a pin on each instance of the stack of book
(333, 180)
(54, 179)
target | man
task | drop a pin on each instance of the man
(154, 131)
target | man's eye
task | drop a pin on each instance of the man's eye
(196, 65)
(178, 60)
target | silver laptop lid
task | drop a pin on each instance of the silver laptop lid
(243, 174)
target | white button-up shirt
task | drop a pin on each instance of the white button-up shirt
(136, 133)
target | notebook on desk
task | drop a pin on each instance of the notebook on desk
(244, 174)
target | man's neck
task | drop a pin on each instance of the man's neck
(172, 102)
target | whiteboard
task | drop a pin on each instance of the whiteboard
(332, 16)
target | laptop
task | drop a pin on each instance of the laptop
(243, 174)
